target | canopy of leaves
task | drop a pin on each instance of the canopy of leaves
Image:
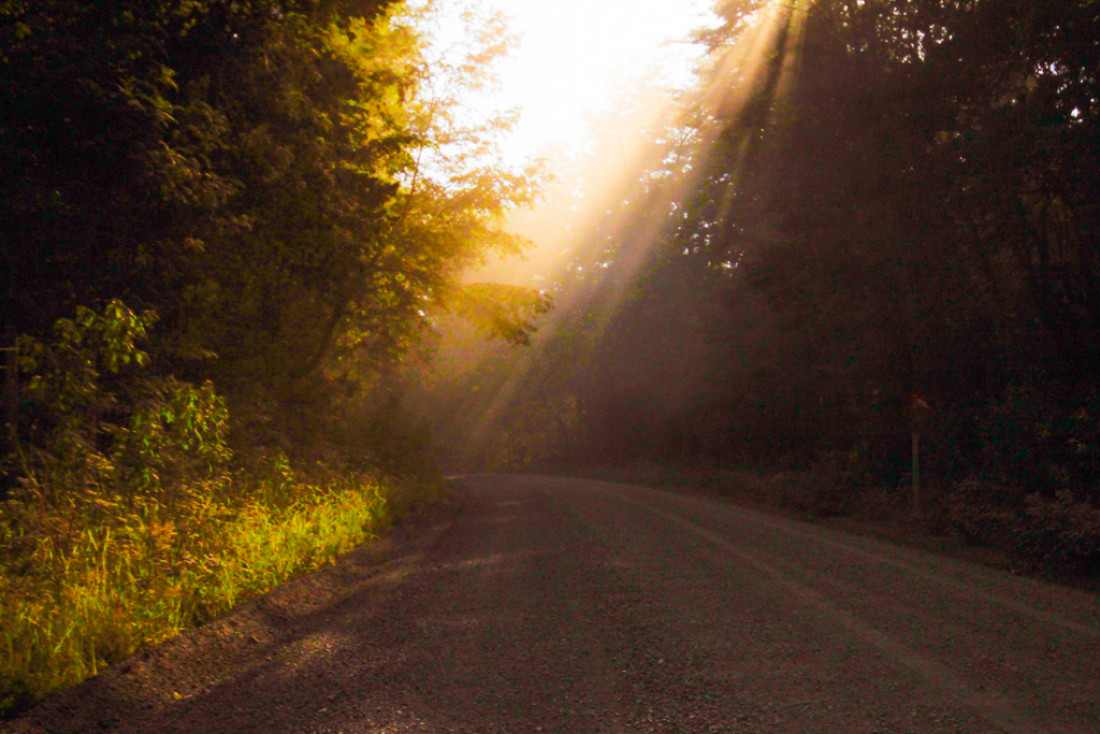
(278, 179)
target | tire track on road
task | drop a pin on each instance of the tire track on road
(995, 708)
(1087, 630)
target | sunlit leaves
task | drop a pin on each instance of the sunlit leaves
(503, 311)
(93, 407)
(66, 374)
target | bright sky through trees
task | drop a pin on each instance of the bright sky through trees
(573, 61)
(574, 54)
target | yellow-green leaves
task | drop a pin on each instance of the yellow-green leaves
(502, 311)
(100, 423)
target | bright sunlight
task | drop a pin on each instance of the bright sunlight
(572, 56)
(588, 206)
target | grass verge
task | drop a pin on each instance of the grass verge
(88, 581)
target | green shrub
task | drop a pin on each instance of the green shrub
(1063, 532)
(1059, 534)
(1045, 441)
(129, 525)
(984, 513)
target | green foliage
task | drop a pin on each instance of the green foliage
(176, 432)
(1062, 532)
(288, 184)
(502, 311)
(66, 375)
(1059, 534)
(86, 583)
(98, 424)
(129, 524)
(1042, 441)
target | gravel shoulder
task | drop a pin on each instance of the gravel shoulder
(523, 604)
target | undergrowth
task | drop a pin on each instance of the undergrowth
(85, 586)
(132, 521)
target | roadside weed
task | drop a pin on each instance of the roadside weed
(79, 591)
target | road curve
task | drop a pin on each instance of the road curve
(565, 605)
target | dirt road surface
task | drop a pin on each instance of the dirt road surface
(532, 604)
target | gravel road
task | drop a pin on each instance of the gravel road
(565, 605)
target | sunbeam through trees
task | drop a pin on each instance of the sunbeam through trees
(252, 287)
(859, 202)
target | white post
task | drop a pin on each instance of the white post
(916, 473)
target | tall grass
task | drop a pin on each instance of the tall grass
(88, 582)
(129, 525)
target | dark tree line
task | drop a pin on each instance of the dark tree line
(925, 222)
(896, 199)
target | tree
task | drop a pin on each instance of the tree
(915, 210)
(277, 180)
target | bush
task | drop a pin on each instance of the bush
(1064, 532)
(1060, 534)
(1045, 441)
(129, 525)
(96, 420)
(982, 512)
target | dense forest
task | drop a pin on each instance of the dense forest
(864, 205)
(241, 334)
(222, 224)
(276, 181)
